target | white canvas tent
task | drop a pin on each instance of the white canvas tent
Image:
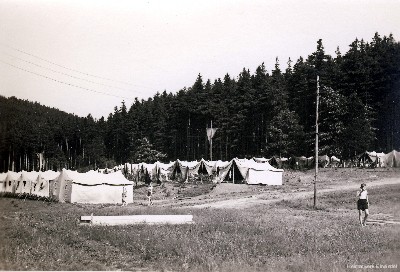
(3, 177)
(11, 181)
(41, 187)
(91, 187)
(260, 160)
(208, 166)
(259, 173)
(131, 168)
(189, 169)
(165, 170)
(25, 182)
(149, 169)
(222, 169)
(391, 159)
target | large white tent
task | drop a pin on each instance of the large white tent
(91, 187)
(260, 173)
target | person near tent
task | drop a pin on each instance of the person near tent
(124, 195)
(150, 193)
(362, 204)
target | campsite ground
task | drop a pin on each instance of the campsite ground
(237, 228)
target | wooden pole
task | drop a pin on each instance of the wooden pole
(211, 143)
(316, 146)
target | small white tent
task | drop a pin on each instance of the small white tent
(25, 182)
(222, 169)
(260, 160)
(3, 177)
(42, 185)
(209, 166)
(165, 171)
(189, 169)
(391, 159)
(149, 169)
(11, 181)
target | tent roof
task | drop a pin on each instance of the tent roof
(260, 159)
(13, 175)
(3, 177)
(191, 164)
(31, 176)
(88, 178)
(49, 175)
(116, 178)
(251, 164)
(95, 178)
(375, 154)
(165, 166)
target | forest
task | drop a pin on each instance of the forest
(257, 114)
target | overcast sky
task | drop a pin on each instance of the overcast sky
(87, 56)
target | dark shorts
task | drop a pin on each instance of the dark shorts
(362, 204)
(148, 193)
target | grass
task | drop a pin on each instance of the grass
(382, 200)
(286, 236)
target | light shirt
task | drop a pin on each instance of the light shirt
(362, 194)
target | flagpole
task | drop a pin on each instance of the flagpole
(211, 143)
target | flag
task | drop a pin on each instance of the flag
(211, 133)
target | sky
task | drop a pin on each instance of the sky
(88, 56)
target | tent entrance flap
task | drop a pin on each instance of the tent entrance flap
(234, 175)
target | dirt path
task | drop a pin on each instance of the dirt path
(243, 202)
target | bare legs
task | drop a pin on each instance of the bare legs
(363, 222)
(365, 217)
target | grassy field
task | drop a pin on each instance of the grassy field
(284, 236)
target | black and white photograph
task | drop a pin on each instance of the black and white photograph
(227, 135)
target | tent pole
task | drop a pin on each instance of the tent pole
(233, 173)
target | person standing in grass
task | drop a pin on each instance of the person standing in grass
(150, 193)
(124, 195)
(362, 204)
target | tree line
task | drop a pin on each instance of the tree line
(259, 114)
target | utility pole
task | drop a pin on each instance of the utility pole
(316, 146)
(188, 139)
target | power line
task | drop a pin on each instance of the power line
(55, 71)
(70, 69)
(63, 82)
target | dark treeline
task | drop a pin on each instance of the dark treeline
(257, 114)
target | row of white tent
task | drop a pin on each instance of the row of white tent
(380, 159)
(375, 159)
(69, 186)
(247, 171)
(98, 188)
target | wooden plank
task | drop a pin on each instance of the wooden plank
(137, 219)
(382, 221)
